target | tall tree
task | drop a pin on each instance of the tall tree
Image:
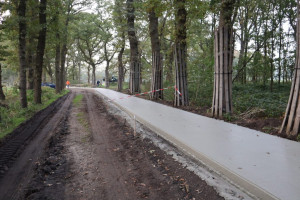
(90, 39)
(63, 51)
(109, 48)
(22, 51)
(108, 56)
(121, 73)
(135, 60)
(2, 96)
(56, 19)
(222, 97)
(72, 7)
(157, 71)
(291, 122)
(180, 55)
(32, 34)
(119, 17)
(40, 52)
(3, 54)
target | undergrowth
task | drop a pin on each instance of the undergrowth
(250, 96)
(246, 97)
(13, 114)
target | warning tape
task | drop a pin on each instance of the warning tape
(177, 90)
(149, 92)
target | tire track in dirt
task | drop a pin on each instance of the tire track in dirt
(113, 164)
(35, 134)
(86, 153)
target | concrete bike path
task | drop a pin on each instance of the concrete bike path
(264, 165)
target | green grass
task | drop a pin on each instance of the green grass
(77, 100)
(82, 119)
(14, 115)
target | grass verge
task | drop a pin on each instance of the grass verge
(12, 115)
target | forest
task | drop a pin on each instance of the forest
(232, 58)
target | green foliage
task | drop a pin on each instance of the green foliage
(14, 115)
(246, 97)
(228, 117)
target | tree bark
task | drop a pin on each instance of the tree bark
(157, 81)
(93, 74)
(22, 52)
(169, 58)
(79, 72)
(107, 75)
(2, 96)
(58, 87)
(62, 65)
(64, 48)
(291, 122)
(40, 53)
(222, 96)
(135, 61)
(120, 64)
(30, 65)
(89, 74)
(180, 55)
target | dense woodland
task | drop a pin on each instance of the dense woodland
(199, 47)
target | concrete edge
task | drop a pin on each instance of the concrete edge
(233, 178)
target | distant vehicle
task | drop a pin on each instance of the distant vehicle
(52, 85)
(111, 80)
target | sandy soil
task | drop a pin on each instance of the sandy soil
(84, 152)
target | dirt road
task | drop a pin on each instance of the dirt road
(83, 152)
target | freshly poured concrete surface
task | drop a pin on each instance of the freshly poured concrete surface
(267, 166)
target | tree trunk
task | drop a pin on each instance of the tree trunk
(290, 125)
(62, 65)
(22, 52)
(79, 72)
(30, 65)
(169, 55)
(135, 61)
(272, 51)
(107, 75)
(89, 74)
(58, 86)
(40, 53)
(157, 80)
(180, 55)
(64, 47)
(120, 64)
(93, 74)
(280, 47)
(2, 96)
(222, 96)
